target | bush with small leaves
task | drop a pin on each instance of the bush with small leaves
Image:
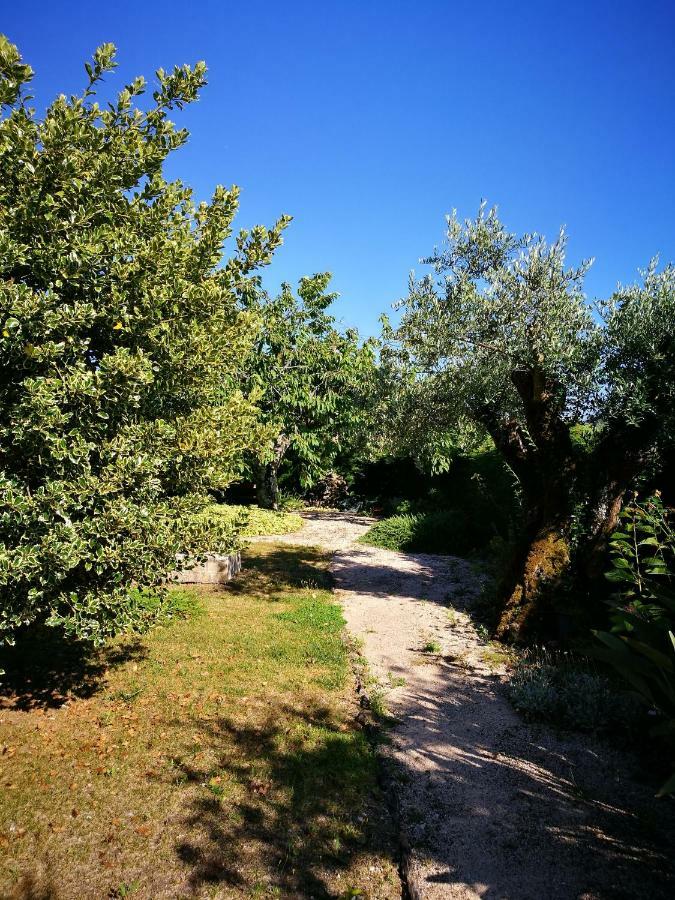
(121, 344)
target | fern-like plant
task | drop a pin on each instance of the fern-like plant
(641, 643)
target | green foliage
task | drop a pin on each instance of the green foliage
(504, 305)
(447, 531)
(564, 691)
(250, 520)
(501, 302)
(121, 344)
(641, 644)
(638, 352)
(288, 503)
(478, 483)
(311, 378)
(500, 341)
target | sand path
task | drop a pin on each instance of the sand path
(490, 806)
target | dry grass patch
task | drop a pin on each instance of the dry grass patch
(216, 757)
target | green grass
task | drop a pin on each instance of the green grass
(444, 532)
(255, 521)
(216, 756)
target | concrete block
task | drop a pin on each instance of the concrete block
(215, 569)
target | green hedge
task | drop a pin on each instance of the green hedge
(252, 520)
(448, 531)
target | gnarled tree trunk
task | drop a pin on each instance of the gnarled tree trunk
(541, 456)
(542, 557)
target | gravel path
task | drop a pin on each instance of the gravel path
(490, 806)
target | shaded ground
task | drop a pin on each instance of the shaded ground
(492, 807)
(216, 757)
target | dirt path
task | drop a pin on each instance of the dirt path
(491, 807)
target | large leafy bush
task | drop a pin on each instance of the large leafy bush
(121, 340)
(437, 531)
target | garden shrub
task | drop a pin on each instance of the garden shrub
(448, 531)
(249, 520)
(478, 483)
(564, 690)
(121, 345)
(330, 491)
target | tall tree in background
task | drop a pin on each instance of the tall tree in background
(311, 381)
(121, 339)
(578, 403)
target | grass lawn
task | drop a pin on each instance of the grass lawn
(215, 757)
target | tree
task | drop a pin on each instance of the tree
(310, 380)
(121, 339)
(577, 401)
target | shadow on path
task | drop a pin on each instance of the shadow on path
(491, 806)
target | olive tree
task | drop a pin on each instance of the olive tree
(311, 380)
(121, 340)
(578, 399)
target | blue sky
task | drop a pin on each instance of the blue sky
(369, 121)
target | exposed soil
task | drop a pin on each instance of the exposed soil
(490, 806)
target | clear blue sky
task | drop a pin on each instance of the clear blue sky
(368, 121)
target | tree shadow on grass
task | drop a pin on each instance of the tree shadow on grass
(44, 668)
(296, 813)
(272, 569)
(34, 887)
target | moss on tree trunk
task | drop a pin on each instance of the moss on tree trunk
(540, 570)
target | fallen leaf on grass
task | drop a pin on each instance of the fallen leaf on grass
(260, 787)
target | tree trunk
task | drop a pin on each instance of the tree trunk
(539, 567)
(542, 557)
(267, 485)
(604, 517)
(540, 454)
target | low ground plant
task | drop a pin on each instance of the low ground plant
(569, 692)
